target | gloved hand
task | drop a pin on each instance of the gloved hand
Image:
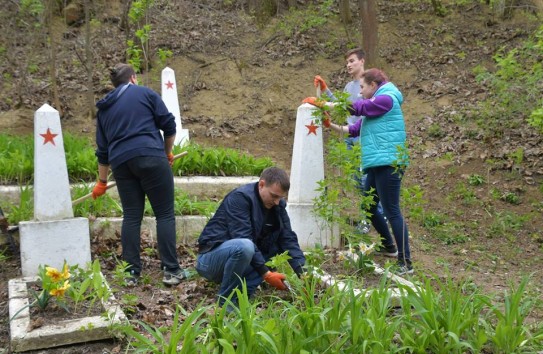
(170, 158)
(276, 280)
(326, 121)
(319, 82)
(99, 189)
(314, 101)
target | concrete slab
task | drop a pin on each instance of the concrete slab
(53, 242)
(66, 332)
(201, 186)
(188, 228)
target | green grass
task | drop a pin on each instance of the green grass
(106, 205)
(17, 160)
(439, 316)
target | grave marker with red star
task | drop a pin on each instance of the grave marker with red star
(312, 128)
(49, 137)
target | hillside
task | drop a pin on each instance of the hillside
(240, 84)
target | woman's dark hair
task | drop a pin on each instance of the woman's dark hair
(121, 74)
(273, 175)
(374, 75)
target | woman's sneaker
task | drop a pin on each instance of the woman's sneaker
(131, 279)
(390, 251)
(403, 268)
(175, 277)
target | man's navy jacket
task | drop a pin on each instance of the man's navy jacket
(243, 215)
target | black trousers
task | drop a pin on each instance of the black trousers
(152, 177)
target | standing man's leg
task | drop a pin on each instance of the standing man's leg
(157, 182)
(133, 202)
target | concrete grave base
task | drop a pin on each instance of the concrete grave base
(67, 332)
(188, 227)
(52, 243)
(310, 230)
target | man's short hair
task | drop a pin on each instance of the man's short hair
(121, 74)
(360, 54)
(273, 175)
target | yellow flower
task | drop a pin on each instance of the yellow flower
(365, 249)
(59, 292)
(65, 272)
(53, 273)
(57, 276)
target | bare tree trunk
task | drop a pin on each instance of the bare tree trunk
(90, 63)
(345, 12)
(539, 5)
(125, 23)
(368, 18)
(53, 62)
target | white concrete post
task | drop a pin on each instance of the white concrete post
(169, 96)
(52, 200)
(55, 235)
(306, 171)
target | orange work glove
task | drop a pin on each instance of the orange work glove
(276, 280)
(170, 158)
(320, 83)
(99, 189)
(326, 121)
(314, 101)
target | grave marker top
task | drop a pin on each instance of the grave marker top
(169, 96)
(52, 200)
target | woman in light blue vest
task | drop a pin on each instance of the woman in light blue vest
(384, 157)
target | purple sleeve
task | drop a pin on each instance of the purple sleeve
(373, 107)
(354, 129)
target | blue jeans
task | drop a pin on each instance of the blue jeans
(360, 178)
(136, 178)
(228, 264)
(386, 181)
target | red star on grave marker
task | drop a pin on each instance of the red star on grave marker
(312, 128)
(169, 85)
(49, 137)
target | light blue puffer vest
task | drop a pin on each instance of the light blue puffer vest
(383, 138)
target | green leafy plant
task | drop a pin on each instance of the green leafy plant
(120, 272)
(53, 285)
(515, 87)
(88, 285)
(509, 334)
(298, 21)
(360, 256)
(476, 180)
(181, 337)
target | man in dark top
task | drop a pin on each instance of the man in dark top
(250, 226)
(128, 140)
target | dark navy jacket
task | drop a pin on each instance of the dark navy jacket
(129, 121)
(242, 215)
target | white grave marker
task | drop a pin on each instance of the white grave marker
(169, 96)
(54, 235)
(306, 170)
